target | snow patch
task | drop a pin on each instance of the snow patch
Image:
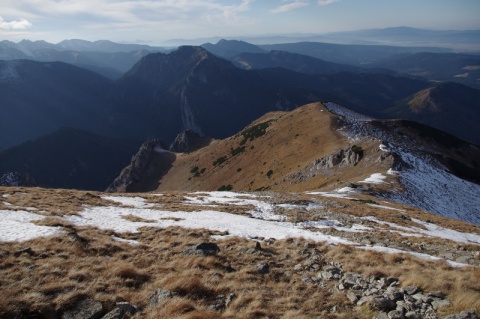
(17, 226)
(432, 188)
(432, 230)
(343, 111)
(137, 202)
(236, 225)
(420, 255)
(376, 178)
(128, 241)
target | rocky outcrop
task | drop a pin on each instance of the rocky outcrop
(189, 141)
(345, 157)
(17, 179)
(350, 156)
(150, 163)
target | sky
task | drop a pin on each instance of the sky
(155, 21)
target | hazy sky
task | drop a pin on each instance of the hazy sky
(153, 21)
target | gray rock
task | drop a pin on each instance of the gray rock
(394, 293)
(396, 314)
(463, 259)
(205, 249)
(381, 303)
(298, 267)
(365, 300)
(353, 297)
(307, 279)
(440, 303)
(159, 296)
(381, 315)
(436, 294)
(263, 268)
(121, 311)
(410, 290)
(84, 309)
(412, 315)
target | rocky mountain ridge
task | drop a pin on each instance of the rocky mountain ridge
(398, 160)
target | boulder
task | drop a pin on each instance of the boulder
(84, 309)
(159, 296)
(205, 249)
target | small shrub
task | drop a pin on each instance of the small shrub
(225, 188)
(254, 132)
(219, 160)
(269, 173)
(366, 201)
(237, 150)
(194, 170)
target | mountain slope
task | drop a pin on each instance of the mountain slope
(443, 106)
(38, 97)
(69, 158)
(311, 149)
(179, 91)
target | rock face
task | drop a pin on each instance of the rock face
(189, 141)
(350, 156)
(17, 179)
(145, 169)
(346, 157)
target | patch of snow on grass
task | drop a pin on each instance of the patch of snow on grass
(338, 193)
(376, 178)
(263, 210)
(17, 226)
(390, 250)
(137, 202)
(432, 230)
(5, 195)
(236, 225)
(128, 241)
(386, 207)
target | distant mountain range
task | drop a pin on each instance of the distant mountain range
(105, 57)
(455, 40)
(193, 89)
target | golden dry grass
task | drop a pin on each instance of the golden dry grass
(60, 270)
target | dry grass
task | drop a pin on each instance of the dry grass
(137, 219)
(58, 271)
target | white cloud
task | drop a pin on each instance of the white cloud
(326, 2)
(22, 24)
(290, 6)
